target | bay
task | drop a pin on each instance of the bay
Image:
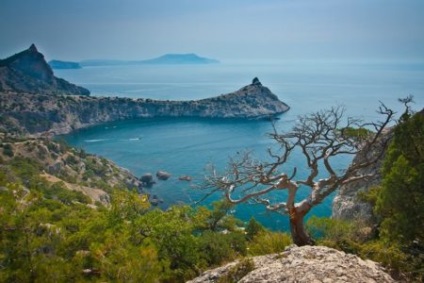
(186, 146)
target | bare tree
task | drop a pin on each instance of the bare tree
(320, 137)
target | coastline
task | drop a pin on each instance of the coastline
(42, 114)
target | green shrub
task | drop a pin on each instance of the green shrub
(8, 150)
(253, 228)
(267, 242)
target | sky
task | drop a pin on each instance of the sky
(220, 29)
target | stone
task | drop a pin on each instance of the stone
(163, 175)
(185, 178)
(147, 179)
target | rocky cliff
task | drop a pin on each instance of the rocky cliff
(300, 264)
(29, 113)
(347, 204)
(28, 72)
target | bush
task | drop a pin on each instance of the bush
(8, 150)
(268, 243)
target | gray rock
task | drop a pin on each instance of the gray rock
(163, 175)
(147, 179)
(305, 264)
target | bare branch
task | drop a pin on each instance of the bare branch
(320, 137)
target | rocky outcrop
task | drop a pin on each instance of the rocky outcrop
(29, 72)
(304, 264)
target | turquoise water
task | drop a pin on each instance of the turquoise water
(186, 146)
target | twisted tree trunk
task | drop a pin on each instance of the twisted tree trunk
(297, 228)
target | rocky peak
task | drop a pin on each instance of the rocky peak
(32, 63)
(28, 71)
(32, 48)
(256, 82)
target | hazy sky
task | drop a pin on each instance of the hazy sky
(222, 29)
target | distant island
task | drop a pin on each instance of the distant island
(190, 58)
(57, 64)
(167, 59)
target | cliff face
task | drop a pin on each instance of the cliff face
(303, 264)
(29, 72)
(29, 113)
(346, 204)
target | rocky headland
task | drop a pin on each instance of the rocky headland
(34, 114)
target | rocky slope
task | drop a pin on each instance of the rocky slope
(301, 264)
(28, 72)
(29, 113)
(77, 170)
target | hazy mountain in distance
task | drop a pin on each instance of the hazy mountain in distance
(167, 59)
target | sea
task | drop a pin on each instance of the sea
(193, 146)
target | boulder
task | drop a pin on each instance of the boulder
(163, 175)
(185, 178)
(147, 179)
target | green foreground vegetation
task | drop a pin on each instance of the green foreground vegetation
(49, 233)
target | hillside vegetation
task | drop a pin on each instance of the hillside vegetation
(82, 221)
